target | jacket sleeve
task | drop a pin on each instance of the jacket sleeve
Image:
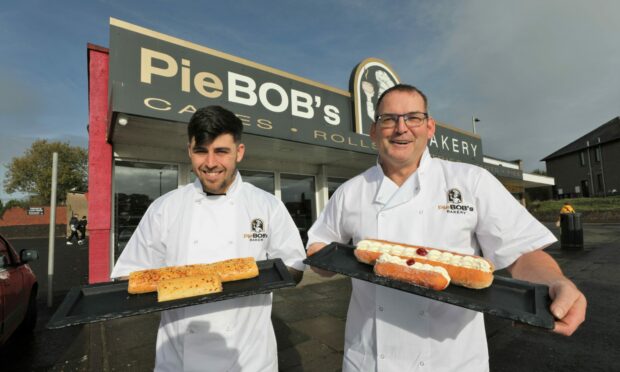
(330, 227)
(505, 229)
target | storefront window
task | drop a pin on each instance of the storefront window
(136, 185)
(298, 197)
(262, 180)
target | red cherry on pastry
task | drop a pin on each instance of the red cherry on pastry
(421, 252)
(410, 261)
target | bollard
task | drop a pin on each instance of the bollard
(571, 231)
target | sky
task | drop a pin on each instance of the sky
(538, 74)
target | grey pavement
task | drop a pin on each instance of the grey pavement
(309, 322)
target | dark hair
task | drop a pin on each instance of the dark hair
(209, 122)
(402, 88)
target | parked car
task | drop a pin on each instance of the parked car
(18, 291)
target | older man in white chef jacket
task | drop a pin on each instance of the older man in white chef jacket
(210, 220)
(403, 198)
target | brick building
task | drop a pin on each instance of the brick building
(18, 222)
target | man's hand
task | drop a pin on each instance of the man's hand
(315, 247)
(568, 306)
(312, 249)
(568, 303)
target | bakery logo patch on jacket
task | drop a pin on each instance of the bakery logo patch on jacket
(455, 203)
(257, 233)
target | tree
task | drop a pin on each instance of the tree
(32, 172)
(541, 172)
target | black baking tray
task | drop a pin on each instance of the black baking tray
(105, 301)
(506, 298)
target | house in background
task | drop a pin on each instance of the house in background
(588, 166)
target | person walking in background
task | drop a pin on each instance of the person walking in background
(82, 229)
(566, 209)
(73, 225)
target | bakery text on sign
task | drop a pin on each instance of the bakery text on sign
(455, 145)
(241, 89)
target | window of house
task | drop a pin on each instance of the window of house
(597, 154)
(582, 158)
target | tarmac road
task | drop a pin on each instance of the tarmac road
(309, 321)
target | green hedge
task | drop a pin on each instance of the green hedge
(591, 209)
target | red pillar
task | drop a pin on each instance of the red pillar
(99, 166)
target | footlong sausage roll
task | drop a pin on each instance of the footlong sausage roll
(191, 286)
(236, 269)
(412, 272)
(144, 281)
(464, 270)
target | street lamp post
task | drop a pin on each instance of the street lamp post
(474, 120)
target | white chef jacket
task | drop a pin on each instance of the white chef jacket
(389, 330)
(186, 227)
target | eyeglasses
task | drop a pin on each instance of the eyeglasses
(412, 119)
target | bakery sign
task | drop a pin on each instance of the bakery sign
(455, 144)
(159, 76)
(371, 78)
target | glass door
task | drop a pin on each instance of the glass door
(299, 198)
(136, 186)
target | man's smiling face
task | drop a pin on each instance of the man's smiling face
(215, 163)
(401, 148)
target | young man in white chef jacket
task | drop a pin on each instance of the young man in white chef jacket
(211, 220)
(408, 197)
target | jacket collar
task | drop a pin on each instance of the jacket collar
(199, 193)
(390, 195)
